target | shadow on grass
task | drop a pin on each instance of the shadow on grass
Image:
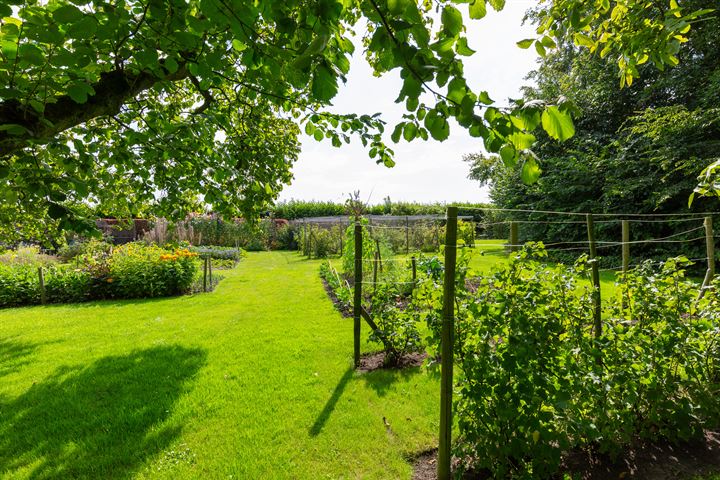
(16, 354)
(382, 379)
(324, 415)
(100, 421)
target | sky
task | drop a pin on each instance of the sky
(425, 171)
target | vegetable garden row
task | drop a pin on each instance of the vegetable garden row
(539, 374)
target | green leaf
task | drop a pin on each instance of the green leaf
(525, 44)
(67, 14)
(451, 19)
(437, 125)
(557, 124)
(324, 84)
(478, 9)
(239, 46)
(79, 92)
(484, 97)
(508, 154)
(530, 171)
(462, 47)
(410, 131)
(13, 129)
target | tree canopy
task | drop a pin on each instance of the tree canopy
(638, 149)
(126, 105)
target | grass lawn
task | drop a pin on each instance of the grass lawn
(251, 381)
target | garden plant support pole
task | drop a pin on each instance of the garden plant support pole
(597, 314)
(205, 271)
(447, 340)
(41, 279)
(377, 253)
(407, 235)
(414, 270)
(357, 306)
(625, 253)
(710, 247)
(210, 271)
(514, 237)
(375, 272)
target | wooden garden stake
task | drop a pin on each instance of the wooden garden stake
(210, 271)
(41, 279)
(514, 237)
(357, 306)
(407, 235)
(446, 356)
(625, 253)
(375, 272)
(377, 253)
(625, 246)
(710, 248)
(414, 270)
(597, 314)
(205, 272)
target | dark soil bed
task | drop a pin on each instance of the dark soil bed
(645, 461)
(374, 361)
(342, 307)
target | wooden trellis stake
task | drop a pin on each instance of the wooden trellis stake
(446, 355)
(514, 237)
(357, 300)
(710, 250)
(597, 300)
(41, 279)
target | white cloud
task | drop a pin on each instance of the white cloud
(425, 171)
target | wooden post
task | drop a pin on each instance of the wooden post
(305, 238)
(210, 272)
(407, 235)
(514, 237)
(357, 300)
(377, 253)
(205, 271)
(41, 279)
(446, 355)
(625, 246)
(413, 261)
(625, 254)
(710, 245)
(710, 249)
(597, 314)
(375, 272)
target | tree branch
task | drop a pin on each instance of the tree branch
(112, 90)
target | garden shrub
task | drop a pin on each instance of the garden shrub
(133, 270)
(397, 324)
(19, 285)
(137, 271)
(534, 382)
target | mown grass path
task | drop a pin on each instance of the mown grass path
(252, 381)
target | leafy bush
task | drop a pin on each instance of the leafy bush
(397, 324)
(138, 271)
(92, 247)
(19, 285)
(220, 253)
(535, 382)
(27, 255)
(133, 270)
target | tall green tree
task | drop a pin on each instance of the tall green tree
(157, 104)
(638, 148)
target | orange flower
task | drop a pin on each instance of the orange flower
(109, 280)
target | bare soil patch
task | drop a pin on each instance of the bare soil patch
(644, 461)
(375, 361)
